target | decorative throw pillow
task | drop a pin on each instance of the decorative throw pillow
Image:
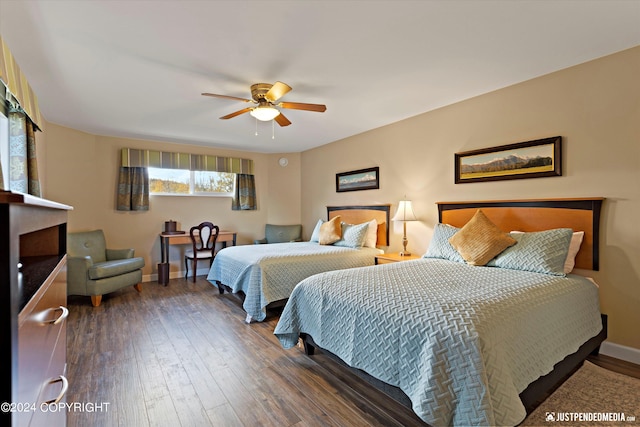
(480, 240)
(330, 231)
(539, 252)
(439, 247)
(353, 235)
(371, 237)
(574, 248)
(315, 236)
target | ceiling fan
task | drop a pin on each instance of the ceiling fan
(266, 95)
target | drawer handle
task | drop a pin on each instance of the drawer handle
(65, 387)
(63, 315)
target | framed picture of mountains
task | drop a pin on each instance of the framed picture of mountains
(362, 179)
(530, 159)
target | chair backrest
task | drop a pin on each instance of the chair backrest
(91, 243)
(204, 236)
(282, 233)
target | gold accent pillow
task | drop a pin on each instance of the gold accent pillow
(330, 231)
(480, 240)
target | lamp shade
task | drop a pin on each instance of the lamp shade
(264, 113)
(404, 212)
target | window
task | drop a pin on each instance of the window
(180, 181)
(4, 141)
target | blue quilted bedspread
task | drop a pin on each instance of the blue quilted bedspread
(461, 341)
(269, 272)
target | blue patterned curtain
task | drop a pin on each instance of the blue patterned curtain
(133, 189)
(3, 112)
(244, 198)
(23, 164)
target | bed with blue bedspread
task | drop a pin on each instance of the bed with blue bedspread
(464, 344)
(268, 273)
(265, 274)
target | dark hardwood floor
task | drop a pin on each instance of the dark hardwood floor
(181, 355)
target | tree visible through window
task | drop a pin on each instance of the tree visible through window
(178, 181)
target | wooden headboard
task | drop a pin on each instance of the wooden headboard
(360, 214)
(537, 215)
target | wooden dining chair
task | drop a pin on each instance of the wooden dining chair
(203, 246)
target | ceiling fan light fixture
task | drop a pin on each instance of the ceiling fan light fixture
(265, 113)
(266, 95)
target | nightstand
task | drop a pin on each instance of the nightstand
(394, 257)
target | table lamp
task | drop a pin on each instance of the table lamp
(404, 214)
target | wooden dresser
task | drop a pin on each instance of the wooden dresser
(33, 310)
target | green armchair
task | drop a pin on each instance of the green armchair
(281, 233)
(93, 270)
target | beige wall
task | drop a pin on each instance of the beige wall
(80, 170)
(595, 107)
(284, 206)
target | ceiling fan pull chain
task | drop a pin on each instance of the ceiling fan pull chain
(273, 129)
(256, 127)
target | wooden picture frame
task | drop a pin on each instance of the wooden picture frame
(361, 179)
(530, 159)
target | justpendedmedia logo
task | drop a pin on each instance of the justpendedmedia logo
(613, 417)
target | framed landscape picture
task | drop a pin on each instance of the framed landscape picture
(362, 179)
(530, 159)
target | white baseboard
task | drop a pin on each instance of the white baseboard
(621, 352)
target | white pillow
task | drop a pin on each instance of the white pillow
(574, 247)
(315, 235)
(372, 234)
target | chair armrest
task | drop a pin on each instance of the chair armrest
(83, 262)
(77, 268)
(114, 254)
(260, 241)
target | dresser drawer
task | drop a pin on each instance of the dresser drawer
(52, 387)
(42, 343)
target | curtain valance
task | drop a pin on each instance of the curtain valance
(16, 82)
(132, 157)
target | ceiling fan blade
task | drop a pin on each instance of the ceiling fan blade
(302, 106)
(227, 97)
(282, 120)
(277, 91)
(237, 113)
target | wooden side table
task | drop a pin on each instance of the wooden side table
(394, 257)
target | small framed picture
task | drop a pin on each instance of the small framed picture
(362, 179)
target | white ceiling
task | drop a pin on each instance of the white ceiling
(137, 68)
